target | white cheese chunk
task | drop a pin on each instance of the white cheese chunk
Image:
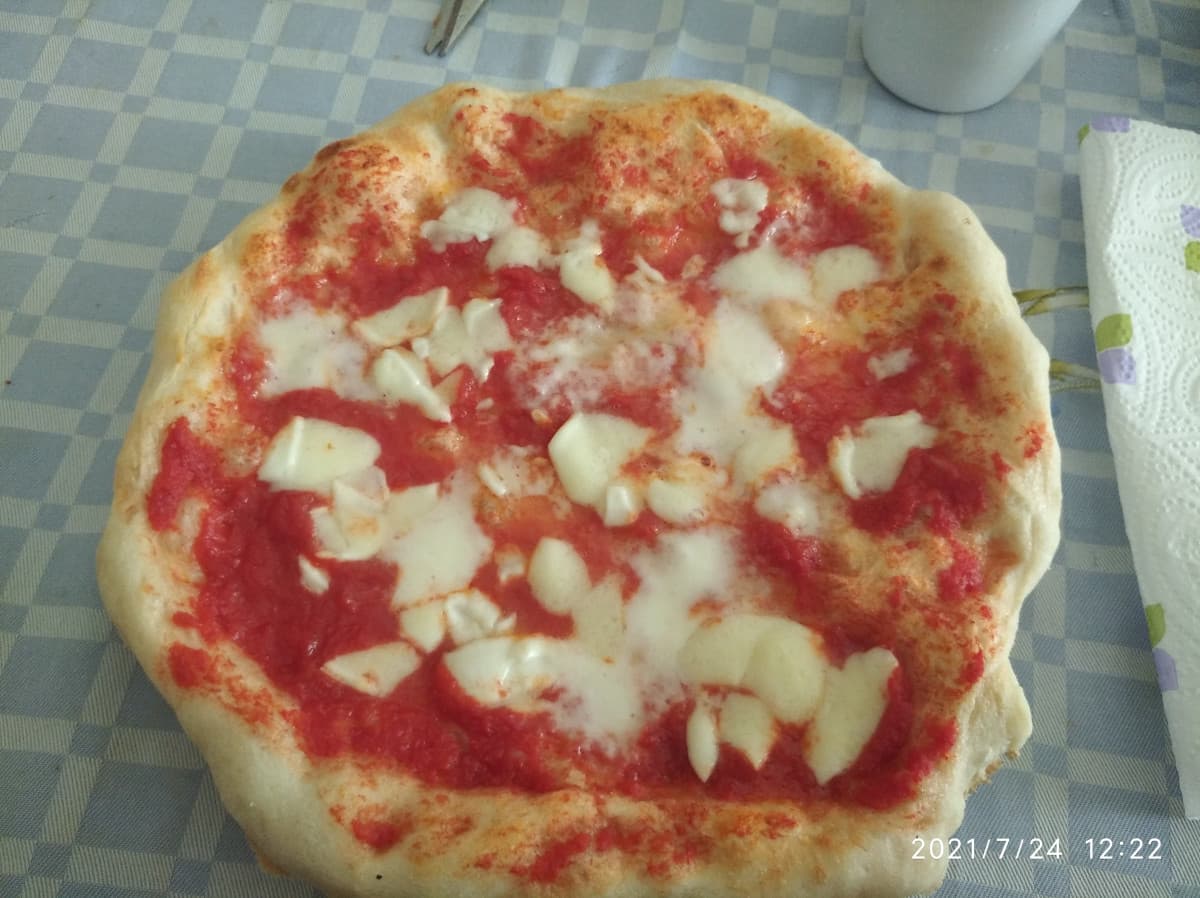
(702, 746)
(469, 336)
(842, 268)
(405, 508)
(375, 671)
(410, 317)
(425, 624)
(588, 452)
(790, 503)
(854, 701)
(470, 615)
(746, 723)
(515, 471)
(473, 214)
(869, 458)
(313, 578)
(718, 405)
(309, 454)
(582, 270)
(890, 363)
(444, 552)
(787, 670)
(309, 349)
(599, 617)
(622, 505)
(741, 203)
(600, 700)
(762, 274)
(764, 451)
(677, 502)
(510, 563)
(558, 576)
(519, 246)
(353, 527)
(402, 377)
(719, 653)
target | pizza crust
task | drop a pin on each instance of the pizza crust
(282, 799)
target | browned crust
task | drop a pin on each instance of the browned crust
(283, 800)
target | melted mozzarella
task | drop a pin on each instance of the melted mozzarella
(375, 671)
(677, 502)
(761, 274)
(307, 349)
(468, 337)
(791, 503)
(718, 403)
(473, 214)
(890, 363)
(588, 452)
(746, 723)
(842, 268)
(582, 270)
(309, 454)
(353, 527)
(741, 202)
(410, 317)
(313, 578)
(702, 745)
(519, 246)
(853, 704)
(425, 624)
(472, 615)
(870, 458)
(402, 377)
(444, 552)
(766, 450)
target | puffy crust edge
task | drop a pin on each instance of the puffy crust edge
(282, 800)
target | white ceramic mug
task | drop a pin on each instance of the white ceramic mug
(958, 55)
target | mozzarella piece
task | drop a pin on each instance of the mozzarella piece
(519, 246)
(741, 203)
(588, 452)
(307, 349)
(353, 527)
(600, 619)
(719, 653)
(558, 576)
(761, 274)
(444, 552)
(515, 471)
(313, 578)
(792, 504)
(745, 722)
(468, 337)
(677, 502)
(473, 214)
(405, 508)
(702, 746)
(718, 404)
(510, 563)
(309, 454)
(890, 363)
(787, 670)
(764, 451)
(410, 317)
(600, 700)
(582, 269)
(375, 671)
(871, 457)
(854, 701)
(622, 505)
(425, 624)
(402, 377)
(470, 615)
(842, 268)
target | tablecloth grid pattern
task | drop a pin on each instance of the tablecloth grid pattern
(133, 136)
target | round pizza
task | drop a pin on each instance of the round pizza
(627, 492)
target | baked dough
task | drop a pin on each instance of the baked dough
(644, 154)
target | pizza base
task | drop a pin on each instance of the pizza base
(282, 800)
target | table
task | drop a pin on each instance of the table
(135, 135)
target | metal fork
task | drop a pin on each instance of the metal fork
(451, 21)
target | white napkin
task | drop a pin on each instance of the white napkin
(1141, 214)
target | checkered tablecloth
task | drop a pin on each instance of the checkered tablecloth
(134, 135)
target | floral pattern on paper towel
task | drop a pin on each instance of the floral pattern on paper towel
(1113, 335)
(1189, 217)
(1164, 664)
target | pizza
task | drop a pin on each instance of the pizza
(623, 492)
